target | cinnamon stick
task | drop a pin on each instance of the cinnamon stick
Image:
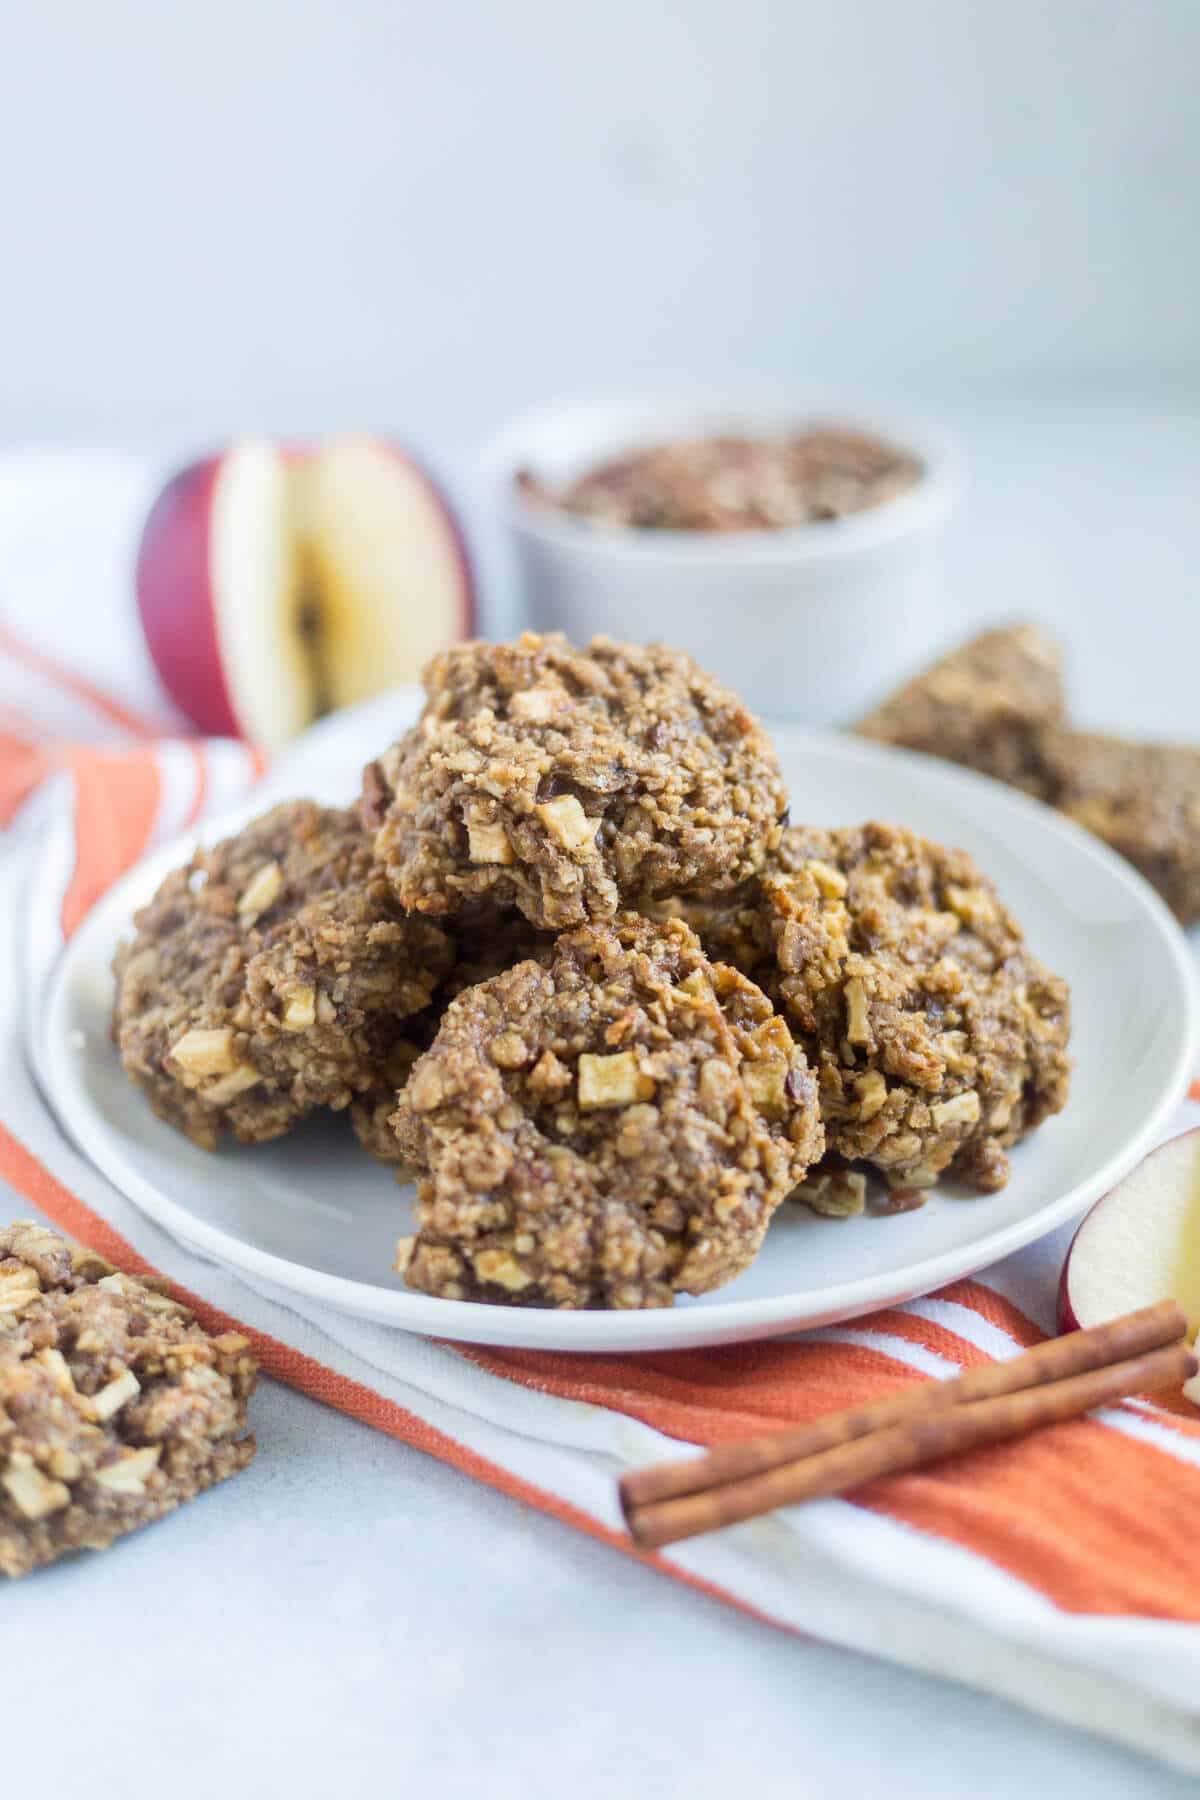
(1054, 1360)
(911, 1444)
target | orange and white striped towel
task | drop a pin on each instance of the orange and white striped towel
(1060, 1572)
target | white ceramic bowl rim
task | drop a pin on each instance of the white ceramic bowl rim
(598, 427)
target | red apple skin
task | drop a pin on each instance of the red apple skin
(175, 599)
(1065, 1311)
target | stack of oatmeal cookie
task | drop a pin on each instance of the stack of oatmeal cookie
(568, 959)
(998, 704)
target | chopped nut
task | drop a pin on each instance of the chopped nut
(326, 1010)
(19, 1288)
(111, 1399)
(836, 921)
(716, 1082)
(872, 1092)
(501, 1268)
(201, 1053)
(858, 1027)
(487, 841)
(148, 1298)
(921, 1176)
(549, 1077)
(238, 1080)
(34, 1495)
(567, 823)
(46, 1253)
(939, 927)
(426, 1089)
(961, 1109)
(612, 1081)
(972, 905)
(696, 987)
(958, 1059)
(161, 1304)
(831, 883)
(301, 1010)
(55, 1364)
(835, 1194)
(404, 1251)
(508, 1050)
(1040, 1029)
(129, 1475)
(535, 704)
(260, 892)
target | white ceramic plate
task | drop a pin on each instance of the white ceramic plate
(311, 1214)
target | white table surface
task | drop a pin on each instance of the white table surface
(352, 1618)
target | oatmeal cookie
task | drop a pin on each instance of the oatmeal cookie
(569, 783)
(270, 976)
(1142, 799)
(606, 1128)
(983, 706)
(485, 943)
(937, 1038)
(115, 1407)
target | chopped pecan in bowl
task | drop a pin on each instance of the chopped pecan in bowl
(729, 483)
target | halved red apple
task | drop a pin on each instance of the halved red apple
(1139, 1244)
(275, 586)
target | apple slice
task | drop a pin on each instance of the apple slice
(275, 586)
(387, 567)
(217, 578)
(1139, 1244)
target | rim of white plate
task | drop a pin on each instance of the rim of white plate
(56, 1070)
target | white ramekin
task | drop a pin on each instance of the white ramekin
(814, 622)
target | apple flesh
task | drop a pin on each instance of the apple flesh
(1139, 1244)
(274, 586)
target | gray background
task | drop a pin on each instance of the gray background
(292, 214)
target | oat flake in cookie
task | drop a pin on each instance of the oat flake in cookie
(272, 975)
(937, 1038)
(607, 1128)
(115, 1407)
(569, 783)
